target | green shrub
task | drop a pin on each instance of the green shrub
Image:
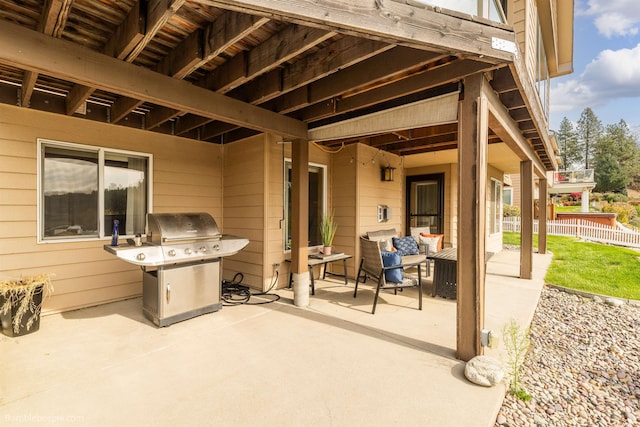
(625, 211)
(510, 210)
(615, 197)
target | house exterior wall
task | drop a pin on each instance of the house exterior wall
(244, 206)
(187, 176)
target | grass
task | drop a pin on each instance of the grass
(591, 267)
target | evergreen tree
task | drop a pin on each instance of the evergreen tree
(589, 130)
(567, 140)
(619, 143)
(610, 176)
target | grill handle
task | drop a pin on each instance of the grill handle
(188, 239)
(168, 293)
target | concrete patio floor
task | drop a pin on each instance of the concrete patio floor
(331, 364)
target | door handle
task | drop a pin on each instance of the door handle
(168, 296)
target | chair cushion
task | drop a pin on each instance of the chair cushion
(435, 241)
(390, 259)
(406, 245)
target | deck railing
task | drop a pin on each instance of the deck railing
(581, 229)
(570, 177)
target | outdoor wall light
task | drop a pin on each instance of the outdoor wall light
(386, 173)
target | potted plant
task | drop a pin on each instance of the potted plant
(21, 303)
(328, 229)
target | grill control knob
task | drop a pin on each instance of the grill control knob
(203, 249)
(187, 251)
(216, 247)
(140, 256)
(172, 252)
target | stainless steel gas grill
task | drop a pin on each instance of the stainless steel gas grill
(181, 265)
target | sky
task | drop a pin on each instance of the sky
(606, 64)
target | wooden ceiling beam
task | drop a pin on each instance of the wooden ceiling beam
(336, 56)
(422, 27)
(275, 51)
(52, 22)
(122, 106)
(34, 51)
(159, 115)
(428, 79)
(380, 67)
(189, 122)
(127, 35)
(179, 62)
(157, 14)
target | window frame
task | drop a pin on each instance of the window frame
(285, 199)
(495, 211)
(42, 143)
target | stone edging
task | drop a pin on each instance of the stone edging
(596, 297)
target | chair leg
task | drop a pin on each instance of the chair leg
(419, 288)
(375, 299)
(355, 290)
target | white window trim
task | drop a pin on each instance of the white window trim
(498, 205)
(101, 151)
(284, 198)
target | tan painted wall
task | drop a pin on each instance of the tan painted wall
(186, 176)
(523, 16)
(244, 206)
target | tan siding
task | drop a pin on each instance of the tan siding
(188, 175)
(244, 174)
(345, 204)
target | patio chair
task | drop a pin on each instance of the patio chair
(371, 265)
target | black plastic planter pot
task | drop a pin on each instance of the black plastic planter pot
(30, 321)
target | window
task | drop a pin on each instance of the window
(83, 189)
(507, 196)
(317, 202)
(494, 207)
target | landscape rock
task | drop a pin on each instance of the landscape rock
(484, 370)
(581, 364)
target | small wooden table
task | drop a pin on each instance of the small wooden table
(445, 273)
(317, 259)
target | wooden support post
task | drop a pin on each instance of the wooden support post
(542, 216)
(472, 188)
(526, 212)
(300, 222)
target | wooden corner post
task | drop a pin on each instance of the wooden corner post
(300, 222)
(526, 213)
(542, 216)
(473, 119)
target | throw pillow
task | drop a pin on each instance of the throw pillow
(390, 259)
(406, 245)
(432, 242)
(385, 245)
(440, 240)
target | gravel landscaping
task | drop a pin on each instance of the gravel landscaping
(583, 368)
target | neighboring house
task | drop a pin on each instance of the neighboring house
(114, 109)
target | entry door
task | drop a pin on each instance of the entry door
(425, 200)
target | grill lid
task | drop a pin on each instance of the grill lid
(172, 227)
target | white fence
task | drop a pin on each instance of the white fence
(582, 229)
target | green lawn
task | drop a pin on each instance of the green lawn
(590, 267)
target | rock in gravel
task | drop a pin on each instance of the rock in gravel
(484, 370)
(580, 370)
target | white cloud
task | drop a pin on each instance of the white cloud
(613, 74)
(613, 17)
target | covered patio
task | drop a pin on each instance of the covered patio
(332, 363)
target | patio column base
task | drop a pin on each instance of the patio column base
(301, 289)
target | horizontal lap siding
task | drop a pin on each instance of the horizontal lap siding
(187, 176)
(244, 207)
